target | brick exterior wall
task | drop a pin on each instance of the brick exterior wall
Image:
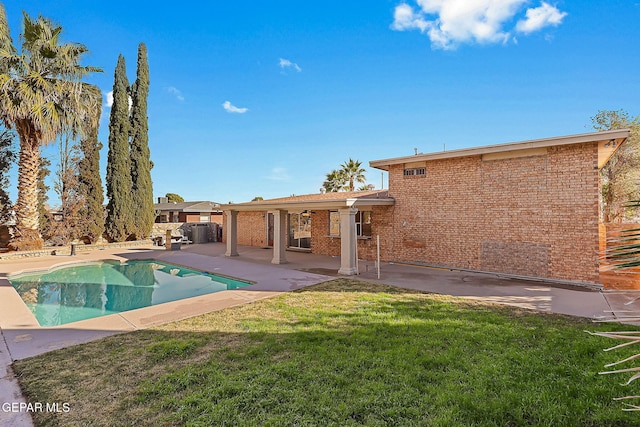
(252, 229)
(193, 217)
(534, 216)
(324, 244)
(321, 242)
(252, 232)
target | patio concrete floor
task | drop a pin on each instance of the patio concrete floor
(22, 337)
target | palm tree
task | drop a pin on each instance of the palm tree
(42, 97)
(335, 181)
(353, 172)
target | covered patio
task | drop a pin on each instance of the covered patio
(346, 204)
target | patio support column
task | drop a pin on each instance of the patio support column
(231, 225)
(279, 236)
(348, 241)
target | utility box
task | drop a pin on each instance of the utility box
(199, 233)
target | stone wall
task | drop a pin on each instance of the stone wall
(66, 250)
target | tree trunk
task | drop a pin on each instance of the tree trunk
(27, 235)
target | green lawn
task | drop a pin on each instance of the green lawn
(341, 353)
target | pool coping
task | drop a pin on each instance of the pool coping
(24, 337)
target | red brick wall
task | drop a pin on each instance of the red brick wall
(218, 218)
(321, 242)
(252, 229)
(535, 216)
(189, 217)
(195, 217)
(324, 244)
(252, 232)
(573, 191)
(434, 216)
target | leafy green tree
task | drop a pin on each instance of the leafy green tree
(90, 186)
(143, 212)
(620, 177)
(119, 224)
(174, 198)
(7, 157)
(257, 199)
(41, 96)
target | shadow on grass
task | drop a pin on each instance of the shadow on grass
(339, 353)
(356, 285)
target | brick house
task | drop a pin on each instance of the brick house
(201, 211)
(527, 209)
(329, 224)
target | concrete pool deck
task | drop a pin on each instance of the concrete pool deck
(22, 337)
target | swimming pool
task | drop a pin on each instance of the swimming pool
(86, 291)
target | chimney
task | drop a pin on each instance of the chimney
(163, 200)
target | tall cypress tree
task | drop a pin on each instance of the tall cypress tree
(143, 212)
(118, 224)
(91, 184)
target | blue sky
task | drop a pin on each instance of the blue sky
(263, 99)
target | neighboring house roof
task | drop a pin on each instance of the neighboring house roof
(608, 142)
(201, 206)
(331, 200)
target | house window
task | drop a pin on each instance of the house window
(205, 218)
(363, 223)
(334, 223)
(415, 172)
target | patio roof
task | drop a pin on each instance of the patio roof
(608, 143)
(332, 200)
(200, 206)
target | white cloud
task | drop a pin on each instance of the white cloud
(279, 174)
(286, 64)
(540, 17)
(233, 109)
(404, 18)
(109, 102)
(449, 23)
(109, 96)
(175, 92)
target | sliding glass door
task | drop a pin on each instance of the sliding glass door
(300, 230)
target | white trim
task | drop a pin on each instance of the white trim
(619, 135)
(310, 204)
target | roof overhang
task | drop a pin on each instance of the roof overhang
(608, 143)
(188, 207)
(310, 204)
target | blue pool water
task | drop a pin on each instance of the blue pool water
(85, 291)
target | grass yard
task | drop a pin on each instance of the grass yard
(341, 353)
